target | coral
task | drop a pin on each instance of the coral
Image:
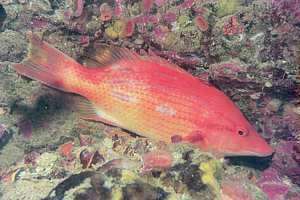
(106, 12)
(227, 7)
(232, 27)
(210, 169)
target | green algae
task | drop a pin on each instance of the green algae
(183, 21)
(227, 7)
(115, 30)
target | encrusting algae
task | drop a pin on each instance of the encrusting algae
(210, 170)
(227, 7)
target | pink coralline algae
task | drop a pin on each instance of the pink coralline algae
(30, 158)
(160, 31)
(159, 3)
(106, 12)
(287, 160)
(39, 23)
(169, 17)
(291, 117)
(85, 140)
(200, 10)
(232, 27)
(285, 126)
(234, 190)
(84, 40)
(78, 8)
(187, 4)
(190, 60)
(228, 71)
(147, 5)
(141, 19)
(201, 23)
(156, 160)
(288, 8)
(272, 185)
(128, 29)
(118, 8)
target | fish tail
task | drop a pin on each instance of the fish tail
(48, 65)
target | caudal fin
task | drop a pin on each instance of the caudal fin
(48, 65)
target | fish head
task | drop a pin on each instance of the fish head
(235, 140)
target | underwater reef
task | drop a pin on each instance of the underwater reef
(249, 49)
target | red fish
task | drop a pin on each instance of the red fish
(148, 96)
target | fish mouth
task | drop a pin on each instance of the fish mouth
(250, 153)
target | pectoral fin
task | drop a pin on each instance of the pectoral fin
(88, 111)
(194, 137)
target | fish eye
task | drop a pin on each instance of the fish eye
(242, 132)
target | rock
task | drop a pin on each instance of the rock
(141, 190)
(13, 46)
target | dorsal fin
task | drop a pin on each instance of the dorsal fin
(104, 55)
(164, 62)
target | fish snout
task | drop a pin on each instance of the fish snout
(261, 148)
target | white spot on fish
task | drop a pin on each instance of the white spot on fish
(116, 66)
(124, 97)
(166, 110)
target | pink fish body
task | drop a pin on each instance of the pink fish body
(148, 96)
